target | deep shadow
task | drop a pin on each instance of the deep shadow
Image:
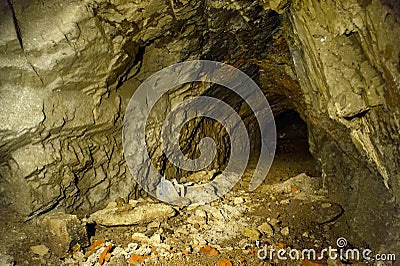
(292, 156)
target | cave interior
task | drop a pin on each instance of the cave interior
(72, 174)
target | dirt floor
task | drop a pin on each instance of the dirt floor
(288, 212)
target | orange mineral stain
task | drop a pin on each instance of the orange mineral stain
(104, 254)
(135, 259)
(96, 244)
(224, 263)
(208, 250)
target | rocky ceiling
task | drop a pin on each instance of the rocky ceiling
(69, 68)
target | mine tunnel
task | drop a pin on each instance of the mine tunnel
(87, 176)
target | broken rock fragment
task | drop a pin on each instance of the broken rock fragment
(40, 250)
(62, 232)
(266, 229)
(251, 233)
(326, 212)
(139, 215)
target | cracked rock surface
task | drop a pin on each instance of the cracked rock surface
(68, 72)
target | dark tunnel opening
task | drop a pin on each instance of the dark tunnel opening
(292, 155)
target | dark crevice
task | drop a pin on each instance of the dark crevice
(19, 36)
(136, 62)
(34, 70)
(398, 63)
(358, 115)
(16, 24)
(44, 209)
(90, 229)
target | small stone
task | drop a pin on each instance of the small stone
(182, 231)
(266, 229)
(153, 224)
(216, 213)
(251, 233)
(40, 250)
(274, 221)
(200, 218)
(285, 231)
(326, 227)
(132, 246)
(199, 241)
(155, 239)
(120, 202)
(326, 205)
(135, 259)
(79, 256)
(143, 250)
(201, 213)
(141, 229)
(305, 234)
(140, 238)
(243, 243)
(238, 200)
(285, 201)
(208, 250)
(118, 260)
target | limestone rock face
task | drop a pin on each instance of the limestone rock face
(346, 56)
(68, 70)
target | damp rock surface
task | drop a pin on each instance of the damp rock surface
(349, 77)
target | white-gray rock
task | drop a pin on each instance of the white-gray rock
(140, 238)
(326, 205)
(40, 250)
(285, 231)
(238, 200)
(251, 233)
(266, 229)
(141, 214)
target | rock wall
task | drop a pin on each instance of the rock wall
(68, 70)
(346, 56)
